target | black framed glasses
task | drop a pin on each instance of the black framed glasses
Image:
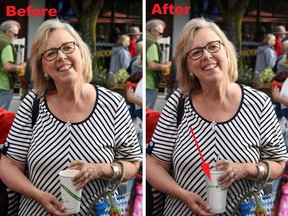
(14, 34)
(66, 48)
(160, 33)
(211, 47)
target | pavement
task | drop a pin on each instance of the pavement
(15, 103)
(160, 102)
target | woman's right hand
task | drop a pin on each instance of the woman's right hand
(196, 204)
(51, 204)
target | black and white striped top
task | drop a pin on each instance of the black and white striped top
(107, 135)
(253, 134)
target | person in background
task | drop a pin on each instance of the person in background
(79, 126)
(120, 55)
(154, 67)
(282, 62)
(280, 33)
(134, 34)
(9, 31)
(266, 56)
(234, 126)
(138, 59)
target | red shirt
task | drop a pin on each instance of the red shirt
(278, 47)
(132, 48)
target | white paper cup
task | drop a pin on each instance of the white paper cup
(216, 196)
(71, 197)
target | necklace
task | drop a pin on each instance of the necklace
(219, 109)
(68, 123)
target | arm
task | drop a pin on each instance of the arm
(153, 59)
(12, 174)
(154, 66)
(271, 57)
(158, 176)
(278, 98)
(91, 171)
(283, 62)
(10, 67)
(7, 58)
(236, 171)
(125, 58)
(125, 148)
(131, 97)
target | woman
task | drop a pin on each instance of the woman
(231, 122)
(266, 56)
(120, 55)
(79, 126)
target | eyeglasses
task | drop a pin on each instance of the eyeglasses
(211, 47)
(66, 48)
(14, 34)
(160, 33)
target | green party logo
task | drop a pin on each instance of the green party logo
(214, 186)
(71, 193)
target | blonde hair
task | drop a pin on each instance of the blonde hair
(187, 84)
(39, 45)
(123, 39)
(269, 39)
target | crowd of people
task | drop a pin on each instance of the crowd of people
(77, 126)
(86, 127)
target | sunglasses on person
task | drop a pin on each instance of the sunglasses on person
(211, 47)
(160, 33)
(14, 34)
(66, 48)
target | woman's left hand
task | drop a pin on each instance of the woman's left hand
(276, 94)
(233, 172)
(86, 172)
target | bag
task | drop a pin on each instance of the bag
(12, 79)
(255, 204)
(108, 204)
(112, 205)
(9, 198)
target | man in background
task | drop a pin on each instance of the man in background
(134, 34)
(154, 67)
(280, 33)
(8, 32)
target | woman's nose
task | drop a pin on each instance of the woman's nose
(206, 54)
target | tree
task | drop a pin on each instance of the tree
(232, 12)
(87, 13)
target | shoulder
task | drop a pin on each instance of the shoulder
(108, 95)
(153, 47)
(255, 95)
(174, 100)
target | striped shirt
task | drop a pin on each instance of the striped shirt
(252, 134)
(105, 136)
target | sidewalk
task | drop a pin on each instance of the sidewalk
(160, 102)
(15, 103)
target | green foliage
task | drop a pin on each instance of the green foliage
(267, 75)
(100, 75)
(121, 76)
(245, 75)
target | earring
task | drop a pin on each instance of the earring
(46, 75)
(191, 74)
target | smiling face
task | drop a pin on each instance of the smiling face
(211, 66)
(65, 68)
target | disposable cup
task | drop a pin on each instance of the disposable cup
(216, 196)
(71, 197)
